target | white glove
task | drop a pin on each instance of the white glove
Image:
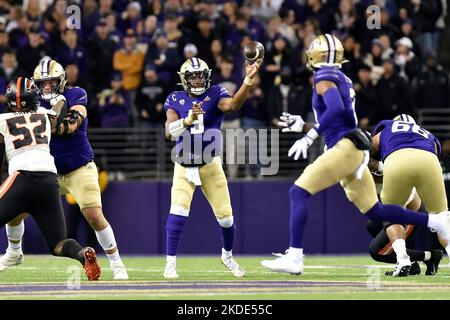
(57, 99)
(301, 146)
(291, 123)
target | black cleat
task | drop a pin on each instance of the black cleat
(433, 263)
(415, 269)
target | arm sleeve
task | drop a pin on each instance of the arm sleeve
(335, 105)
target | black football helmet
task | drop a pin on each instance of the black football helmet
(22, 95)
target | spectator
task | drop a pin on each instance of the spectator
(394, 94)
(72, 73)
(130, 17)
(150, 99)
(425, 14)
(352, 52)
(166, 59)
(9, 70)
(217, 51)
(374, 61)
(286, 28)
(407, 30)
(114, 33)
(150, 27)
(405, 59)
(388, 52)
(30, 55)
(346, 17)
(129, 61)
(113, 104)
(105, 8)
(90, 18)
(204, 37)
(190, 51)
(18, 36)
(365, 97)
(174, 35)
(255, 28)
(322, 14)
(432, 85)
(70, 52)
(4, 39)
(273, 25)
(101, 50)
(33, 9)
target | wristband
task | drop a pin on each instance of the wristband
(248, 81)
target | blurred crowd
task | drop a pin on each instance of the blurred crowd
(126, 54)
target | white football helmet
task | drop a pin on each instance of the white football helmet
(48, 70)
(405, 118)
(195, 76)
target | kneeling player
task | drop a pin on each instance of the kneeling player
(392, 240)
(32, 184)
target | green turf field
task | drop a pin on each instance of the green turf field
(326, 277)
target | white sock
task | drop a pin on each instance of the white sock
(427, 256)
(15, 233)
(106, 238)
(434, 222)
(399, 247)
(171, 258)
(113, 256)
(295, 253)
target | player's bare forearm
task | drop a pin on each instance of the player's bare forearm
(373, 164)
(307, 126)
(239, 98)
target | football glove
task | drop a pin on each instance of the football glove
(57, 99)
(301, 145)
(291, 123)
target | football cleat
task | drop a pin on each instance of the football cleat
(284, 264)
(231, 264)
(11, 258)
(91, 266)
(444, 228)
(170, 271)
(415, 269)
(118, 269)
(402, 268)
(433, 263)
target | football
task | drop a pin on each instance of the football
(254, 51)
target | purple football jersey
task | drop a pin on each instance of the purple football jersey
(74, 150)
(397, 135)
(346, 120)
(204, 132)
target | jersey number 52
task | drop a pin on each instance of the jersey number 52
(28, 129)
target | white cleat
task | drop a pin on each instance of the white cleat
(170, 271)
(118, 269)
(231, 264)
(11, 258)
(284, 264)
(402, 268)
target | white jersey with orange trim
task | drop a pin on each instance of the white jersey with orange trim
(27, 139)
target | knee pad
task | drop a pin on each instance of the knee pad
(226, 222)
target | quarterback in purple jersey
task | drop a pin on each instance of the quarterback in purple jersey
(409, 161)
(77, 172)
(344, 161)
(194, 117)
